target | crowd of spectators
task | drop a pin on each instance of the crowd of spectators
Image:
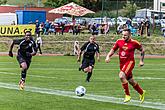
(50, 27)
(142, 27)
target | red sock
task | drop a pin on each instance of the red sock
(126, 89)
(138, 89)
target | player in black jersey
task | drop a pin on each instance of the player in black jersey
(27, 48)
(89, 50)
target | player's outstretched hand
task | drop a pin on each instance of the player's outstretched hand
(107, 60)
(10, 54)
(141, 63)
(78, 59)
(98, 59)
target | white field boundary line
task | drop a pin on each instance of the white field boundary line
(65, 41)
(41, 76)
(101, 63)
(95, 69)
(154, 105)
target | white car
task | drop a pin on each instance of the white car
(162, 22)
(121, 20)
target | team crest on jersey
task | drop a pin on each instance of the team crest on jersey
(30, 44)
(95, 48)
(124, 47)
(122, 53)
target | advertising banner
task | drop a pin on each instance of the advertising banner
(16, 30)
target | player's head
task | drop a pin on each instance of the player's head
(92, 39)
(27, 35)
(126, 34)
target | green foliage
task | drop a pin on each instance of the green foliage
(3, 2)
(130, 9)
(58, 3)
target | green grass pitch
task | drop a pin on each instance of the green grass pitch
(51, 81)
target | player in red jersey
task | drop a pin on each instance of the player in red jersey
(126, 47)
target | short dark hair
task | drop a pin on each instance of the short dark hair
(28, 32)
(127, 29)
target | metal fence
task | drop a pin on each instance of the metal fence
(67, 47)
(113, 8)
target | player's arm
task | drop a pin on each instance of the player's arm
(111, 52)
(98, 53)
(34, 49)
(17, 42)
(98, 56)
(79, 56)
(142, 53)
(80, 51)
(10, 49)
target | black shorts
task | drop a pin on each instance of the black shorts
(87, 62)
(21, 59)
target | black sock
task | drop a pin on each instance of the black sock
(89, 76)
(23, 75)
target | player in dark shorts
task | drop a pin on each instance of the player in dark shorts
(27, 48)
(89, 50)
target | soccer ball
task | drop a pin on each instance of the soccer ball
(80, 91)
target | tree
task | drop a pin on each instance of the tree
(3, 2)
(130, 9)
(58, 3)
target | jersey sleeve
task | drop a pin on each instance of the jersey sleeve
(34, 46)
(17, 41)
(137, 45)
(97, 49)
(84, 46)
(116, 46)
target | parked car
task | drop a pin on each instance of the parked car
(121, 20)
(100, 20)
(162, 22)
(65, 20)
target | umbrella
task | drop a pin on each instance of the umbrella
(71, 9)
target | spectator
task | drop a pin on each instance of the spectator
(141, 28)
(129, 22)
(52, 28)
(37, 27)
(93, 29)
(76, 47)
(106, 29)
(47, 26)
(78, 29)
(39, 43)
(62, 28)
(147, 26)
(41, 29)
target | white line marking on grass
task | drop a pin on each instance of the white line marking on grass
(71, 94)
(149, 78)
(76, 69)
(40, 76)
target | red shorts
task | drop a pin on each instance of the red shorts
(127, 68)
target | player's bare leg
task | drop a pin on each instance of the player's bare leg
(125, 86)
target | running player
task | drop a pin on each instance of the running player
(27, 48)
(89, 49)
(126, 47)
